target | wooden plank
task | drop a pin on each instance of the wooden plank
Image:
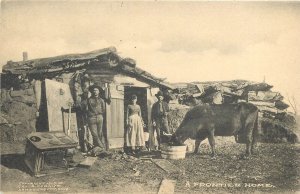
(108, 119)
(97, 71)
(167, 186)
(112, 116)
(51, 140)
(120, 79)
(116, 91)
(102, 78)
(121, 118)
(38, 93)
(269, 109)
(264, 96)
(116, 142)
(88, 161)
(197, 95)
(262, 103)
(58, 95)
(166, 165)
(115, 117)
(151, 99)
(41, 62)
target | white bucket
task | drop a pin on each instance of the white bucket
(173, 152)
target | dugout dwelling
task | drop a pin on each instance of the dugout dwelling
(61, 82)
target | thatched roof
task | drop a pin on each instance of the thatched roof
(71, 62)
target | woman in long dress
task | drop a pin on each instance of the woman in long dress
(135, 133)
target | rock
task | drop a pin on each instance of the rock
(118, 157)
(3, 120)
(125, 156)
(17, 93)
(96, 151)
(137, 173)
(8, 133)
(234, 157)
(5, 96)
(29, 92)
(25, 85)
(17, 123)
(104, 154)
(29, 100)
(284, 140)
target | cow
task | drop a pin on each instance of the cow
(207, 121)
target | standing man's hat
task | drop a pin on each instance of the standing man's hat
(92, 87)
(159, 93)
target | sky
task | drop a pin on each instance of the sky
(180, 41)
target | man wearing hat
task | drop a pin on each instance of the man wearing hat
(159, 114)
(95, 109)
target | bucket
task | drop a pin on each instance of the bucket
(173, 152)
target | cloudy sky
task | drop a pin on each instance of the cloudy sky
(180, 41)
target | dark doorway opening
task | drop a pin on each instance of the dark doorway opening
(42, 120)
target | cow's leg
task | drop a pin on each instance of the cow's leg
(248, 142)
(211, 139)
(254, 135)
(254, 141)
(248, 151)
(253, 144)
(197, 144)
(249, 137)
(236, 137)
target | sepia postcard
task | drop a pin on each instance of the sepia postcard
(149, 96)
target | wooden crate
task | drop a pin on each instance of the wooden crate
(43, 159)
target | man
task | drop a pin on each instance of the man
(95, 110)
(159, 114)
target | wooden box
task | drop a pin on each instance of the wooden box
(45, 152)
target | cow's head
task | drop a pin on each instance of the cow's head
(176, 139)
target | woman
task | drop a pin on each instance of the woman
(135, 133)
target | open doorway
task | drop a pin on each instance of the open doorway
(141, 94)
(42, 120)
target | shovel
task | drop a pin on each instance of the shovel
(69, 118)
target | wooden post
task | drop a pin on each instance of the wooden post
(69, 117)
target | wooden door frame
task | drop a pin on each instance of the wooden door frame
(144, 107)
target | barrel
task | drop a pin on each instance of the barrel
(173, 152)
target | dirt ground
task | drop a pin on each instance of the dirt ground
(275, 168)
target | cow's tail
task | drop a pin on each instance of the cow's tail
(255, 129)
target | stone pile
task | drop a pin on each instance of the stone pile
(18, 112)
(277, 125)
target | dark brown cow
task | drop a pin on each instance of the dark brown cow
(207, 121)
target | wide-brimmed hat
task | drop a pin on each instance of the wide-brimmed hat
(159, 93)
(92, 87)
